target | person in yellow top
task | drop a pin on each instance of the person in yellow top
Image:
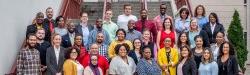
(71, 66)
(120, 34)
(168, 58)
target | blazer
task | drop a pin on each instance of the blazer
(132, 54)
(66, 42)
(232, 65)
(51, 62)
(189, 67)
(218, 28)
(79, 28)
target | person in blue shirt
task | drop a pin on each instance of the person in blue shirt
(182, 23)
(200, 15)
(208, 66)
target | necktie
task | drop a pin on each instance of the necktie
(51, 28)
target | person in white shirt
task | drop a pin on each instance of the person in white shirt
(122, 20)
(122, 64)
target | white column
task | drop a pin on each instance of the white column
(248, 31)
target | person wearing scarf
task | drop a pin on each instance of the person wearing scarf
(92, 68)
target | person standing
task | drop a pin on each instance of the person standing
(28, 59)
(122, 20)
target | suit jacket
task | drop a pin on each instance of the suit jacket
(51, 62)
(132, 54)
(218, 28)
(79, 28)
(66, 42)
(189, 67)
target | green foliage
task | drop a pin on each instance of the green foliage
(235, 35)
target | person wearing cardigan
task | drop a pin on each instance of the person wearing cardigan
(71, 66)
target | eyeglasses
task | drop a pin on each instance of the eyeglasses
(74, 52)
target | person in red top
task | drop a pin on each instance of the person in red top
(102, 61)
(79, 44)
(167, 32)
(144, 23)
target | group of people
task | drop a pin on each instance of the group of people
(161, 46)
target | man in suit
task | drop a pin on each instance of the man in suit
(84, 28)
(68, 39)
(55, 56)
(49, 22)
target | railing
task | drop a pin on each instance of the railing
(182, 3)
(70, 9)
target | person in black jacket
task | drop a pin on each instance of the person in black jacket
(186, 65)
(213, 27)
(68, 39)
(227, 61)
(136, 53)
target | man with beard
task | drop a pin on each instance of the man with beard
(49, 22)
(98, 29)
(103, 48)
(28, 59)
(42, 46)
(132, 33)
(38, 25)
(144, 24)
(159, 19)
(68, 39)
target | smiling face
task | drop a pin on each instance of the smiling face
(73, 54)
(122, 51)
(206, 55)
(163, 9)
(184, 15)
(40, 34)
(199, 11)
(94, 49)
(61, 22)
(167, 42)
(144, 14)
(146, 35)
(199, 42)
(225, 48)
(167, 24)
(57, 40)
(121, 35)
(137, 44)
(127, 10)
(183, 38)
(194, 25)
(212, 19)
(220, 38)
(94, 60)
(108, 14)
(49, 13)
(71, 27)
(32, 41)
(184, 52)
(84, 17)
(78, 40)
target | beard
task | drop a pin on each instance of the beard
(32, 46)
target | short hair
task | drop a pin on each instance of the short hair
(29, 35)
(179, 39)
(40, 29)
(83, 13)
(182, 10)
(108, 10)
(125, 5)
(48, 8)
(215, 16)
(143, 49)
(69, 50)
(118, 46)
(122, 31)
(143, 10)
(54, 35)
(221, 33)
(211, 58)
(163, 4)
(39, 14)
(203, 8)
(231, 49)
(171, 21)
